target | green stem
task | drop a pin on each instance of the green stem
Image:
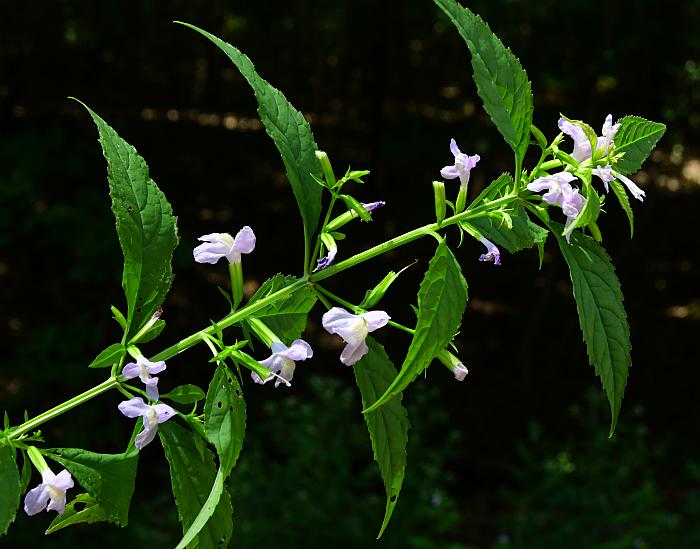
(405, 238)
(56, 411)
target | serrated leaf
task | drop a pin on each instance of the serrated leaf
(111, 355)
(636, 137)
(288, 129)
(624, 201)
(601, 315)
(496, 189)
(198, 490)
(286, 317)
(90, 512)
(146, 227)
(388, 426)
(225, 417)
(185, 394)
(501, 81)
(441, 302)
(109, 478)
(524, 234)
(9, 488)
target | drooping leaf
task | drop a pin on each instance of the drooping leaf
(146, 227)
(197, 487)
(288, 129)
(636, 137)
(109, 478)
(601, 315)
(286, 317)
(111, 355)
(90, 512)
(624, 201)
(523, 234)
(9, 488)
(501, 80)
(225, 417)
(441, 302)
(184, 394)
(388, 426)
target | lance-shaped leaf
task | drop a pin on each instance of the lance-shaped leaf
(286, 317)
(203, 505)
(288, 129)
(636, 137)
(500, 78)
(601, 315)
(111, 355)
(9, 488)
(225, 417)
(441, 302)
(146, 227)
(185, 394)
(388, 426)
(109, 478)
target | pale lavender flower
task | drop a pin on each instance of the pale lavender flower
(571, 205)
(325, 261)
(460, 371)
(554, 184)
(144, 368)
(50, 494)
(218, 245)
(492, 252)
(353, 329)
(283, 361)
(582, 146)
(373, 205)
(152, 416)
(605, 174)
(462, 167)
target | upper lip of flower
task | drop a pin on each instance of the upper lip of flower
(282, 361)
(462, 166)
(218, 245)
(353, 329)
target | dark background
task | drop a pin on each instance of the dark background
(518, 454)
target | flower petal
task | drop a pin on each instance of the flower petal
(454, 149)
(298, 350)
(133, 408)
(146, 436)
(353, 352)
(460, 372)
(152, 387)
(449, 172)
(151, 367)
(36, 500)
(131, 370)
(63, 480)
(163, 412)
(244, 243)
(338, 320)
(375, 319)
(209, 253)
(638, 193)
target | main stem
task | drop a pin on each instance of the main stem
(251, 308)
(56, 411)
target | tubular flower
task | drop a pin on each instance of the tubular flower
(282, 361)
(607, 174)
(50, 494)
(143, 368)
(462, 167)
(492, 252)
(582, 146)
(325, 262)
(218, 245)
(562, 194)
(353, 329)
(460, 372)
(572, 205)
(152, 416)
(371, 206)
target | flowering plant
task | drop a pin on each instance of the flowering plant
(201, 431)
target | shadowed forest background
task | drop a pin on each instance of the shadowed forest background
(517, 454)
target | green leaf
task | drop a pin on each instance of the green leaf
(184, 394)
(225, 417)
(146, 227)
(524, 234)
(90, 512)
(441, 302)
(109, 478)
(591, 209)
(601, 315)
(355, 206)
(286, 317)
(388, 426)
(500, 79)
(198, 489)
(153, 332)
(496, 189)
(111, 355)
(624, 201)
(636, 137)
(288, 129)
(9, 488)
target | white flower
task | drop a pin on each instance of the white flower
(353, 329)
(282, 361)
(143, 368)
(50, 494)
(152, 416)
(218, 245)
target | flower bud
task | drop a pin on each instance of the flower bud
(440, 201)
